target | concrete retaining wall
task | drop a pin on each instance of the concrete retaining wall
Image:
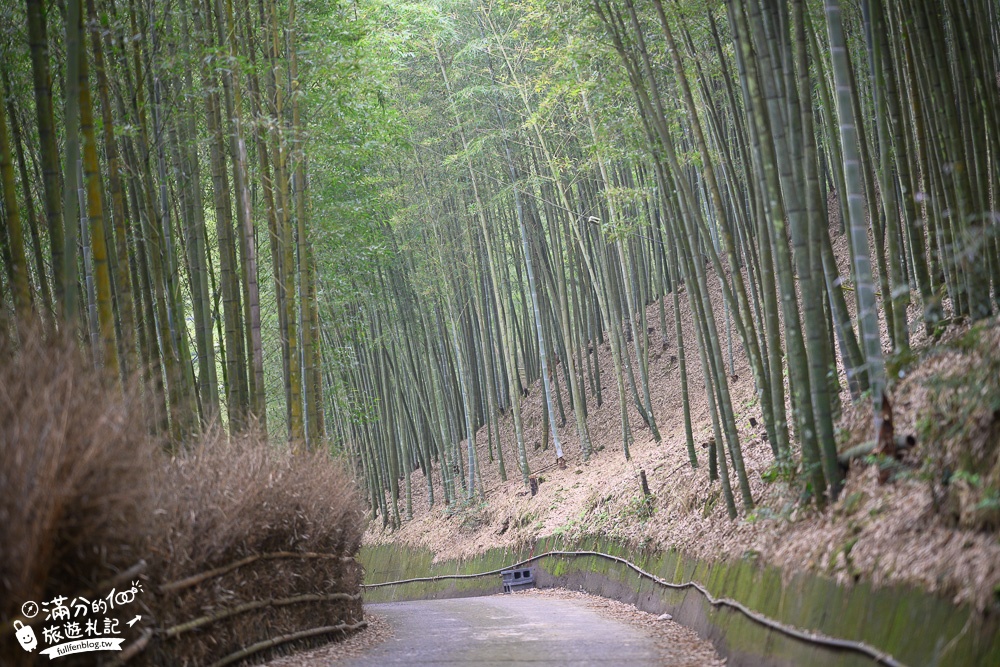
(916, 628)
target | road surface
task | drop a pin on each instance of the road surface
(506, 631)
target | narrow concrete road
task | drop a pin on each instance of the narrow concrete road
(506, 631)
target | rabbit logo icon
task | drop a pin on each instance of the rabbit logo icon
(25, 636)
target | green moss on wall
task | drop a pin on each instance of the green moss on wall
(915, 627)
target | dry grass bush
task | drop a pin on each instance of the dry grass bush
(232, 498)
(86, 492)
(74, 478)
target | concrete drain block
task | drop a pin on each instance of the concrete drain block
(518, 579)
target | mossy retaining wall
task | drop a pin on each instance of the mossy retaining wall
(913, 626)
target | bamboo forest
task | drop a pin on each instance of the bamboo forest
(709, 290)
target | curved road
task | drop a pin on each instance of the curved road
(506, 631)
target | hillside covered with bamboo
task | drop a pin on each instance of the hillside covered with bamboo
(721, 277)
